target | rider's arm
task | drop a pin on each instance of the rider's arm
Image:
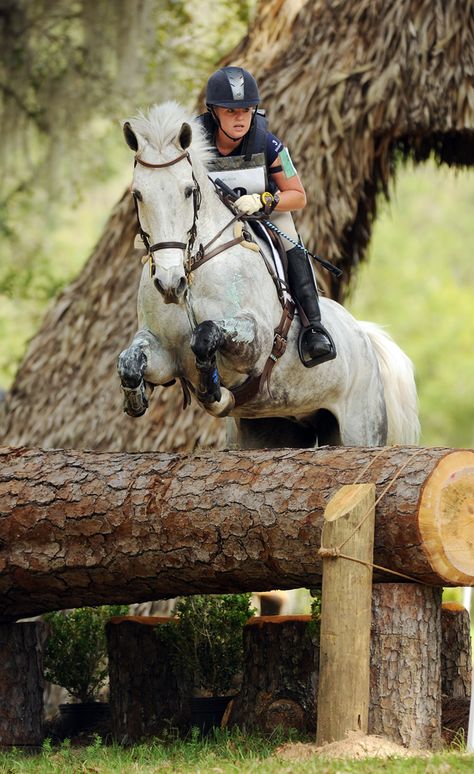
(284, 175)
(291, 192)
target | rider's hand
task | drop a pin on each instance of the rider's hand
(249, 204)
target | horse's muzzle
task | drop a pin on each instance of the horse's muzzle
(172, 294)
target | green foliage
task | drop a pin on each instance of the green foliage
(418, 283)
(207, 644)
(315, 623)
(76, 650)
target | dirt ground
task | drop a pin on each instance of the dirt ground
(355, 746)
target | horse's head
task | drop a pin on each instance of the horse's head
(166, 194)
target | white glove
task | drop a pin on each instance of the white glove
(249, 203)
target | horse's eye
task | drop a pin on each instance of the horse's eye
(188, 191)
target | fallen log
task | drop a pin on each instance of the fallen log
(83, 528)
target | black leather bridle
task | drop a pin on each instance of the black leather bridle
(187, 247)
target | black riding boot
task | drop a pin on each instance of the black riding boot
(315, 344)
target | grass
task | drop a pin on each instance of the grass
(222, 753)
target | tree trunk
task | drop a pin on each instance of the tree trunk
(21, 684)
(279, 684)
(405, 690)
(80, 528)
(145, 693)
(456, 658)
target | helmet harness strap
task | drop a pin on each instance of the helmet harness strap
(216, 119)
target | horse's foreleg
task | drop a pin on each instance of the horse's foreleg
(141, 366)
(236, 338)
(205, 341)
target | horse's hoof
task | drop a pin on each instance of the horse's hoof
(223, 407)
(210, 396)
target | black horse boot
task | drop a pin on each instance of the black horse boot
(315, 344)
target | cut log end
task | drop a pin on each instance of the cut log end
(446, 518)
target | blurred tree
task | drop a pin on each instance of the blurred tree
(63, 63)
(69, 69)
(66, 62)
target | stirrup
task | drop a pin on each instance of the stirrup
(309, 362)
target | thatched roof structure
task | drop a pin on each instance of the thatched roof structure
(351, 87)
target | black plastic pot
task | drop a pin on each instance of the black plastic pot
(207, 712)
(76, 719)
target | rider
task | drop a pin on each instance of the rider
(258, 166)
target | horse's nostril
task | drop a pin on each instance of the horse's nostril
(181, 286)
(158, 285)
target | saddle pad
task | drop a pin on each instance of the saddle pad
(261, 232)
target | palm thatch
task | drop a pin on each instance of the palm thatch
(355, 87)
(352, 87)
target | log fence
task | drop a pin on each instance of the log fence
(81, 528)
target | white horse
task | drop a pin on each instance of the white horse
(210, 321)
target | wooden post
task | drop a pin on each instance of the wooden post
(343, 700)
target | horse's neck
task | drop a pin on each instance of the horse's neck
(214, 214)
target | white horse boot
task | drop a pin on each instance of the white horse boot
(315, 343)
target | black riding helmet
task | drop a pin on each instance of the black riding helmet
(232, 87)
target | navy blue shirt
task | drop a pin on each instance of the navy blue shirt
(274, 146)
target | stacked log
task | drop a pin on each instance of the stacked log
(280, 676)
(405, 664)
(456, 671)
(146, 692)
(21, 684)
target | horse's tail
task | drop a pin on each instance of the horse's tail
(399, 387)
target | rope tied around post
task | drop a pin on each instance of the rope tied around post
(326, 552)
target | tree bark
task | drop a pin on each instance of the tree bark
(456, 658)
(280, 674)
(146, 694)
(405, 682)
(81, 528)
(21, 684)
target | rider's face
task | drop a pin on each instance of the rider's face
(235, 121)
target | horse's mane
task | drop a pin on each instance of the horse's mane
(160, 127)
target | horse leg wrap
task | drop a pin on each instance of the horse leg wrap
(206, 339)
(209, 389)
(135, 400)
(131, 367)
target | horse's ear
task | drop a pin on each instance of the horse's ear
(185, 136)
(130, 136)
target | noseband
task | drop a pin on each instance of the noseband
(192, 232)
